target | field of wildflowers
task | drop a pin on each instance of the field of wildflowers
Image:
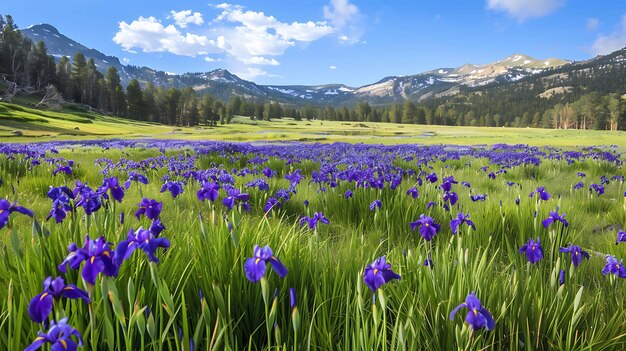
(181, 245)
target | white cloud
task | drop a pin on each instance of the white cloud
(347, 20)
(251, 73)
(150, 35)
(186, 17)
(340, 12)
(259, 60)
(605, 44)
(210, 59)
(257, 34)
(592, 23)
(333, 67)
(250, 37)
(525, 9)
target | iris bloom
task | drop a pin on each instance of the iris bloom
(40, 306)
(460, 219)
(175, 188)
(271, 203)
(312, 221)
(477, 316)
(98, 258)
(554, 216)
(427, 226)
(621, 237)
(135, 177)
(541, 192)
(614, 266)
(376, 204)
(141, 239)
(209, 191)
(255, 266)
(576, 252)
(112, 185)
(478, 197)
(348, 194)
(578, 185)
(533, 250)
(451, 197)
(413, 192)
(378, 274)
(59, 336)
(599, 189)
(235, 196)
(432, 177)
(149, 207)
(448, 182)
(6, 208)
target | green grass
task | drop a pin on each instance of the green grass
(335, 309)
(49, 125)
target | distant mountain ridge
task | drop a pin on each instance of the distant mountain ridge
(221, 83)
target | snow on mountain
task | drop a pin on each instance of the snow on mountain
(222, 83)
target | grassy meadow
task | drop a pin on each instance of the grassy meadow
(371, 182)
(43, 125)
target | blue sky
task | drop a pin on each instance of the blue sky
(330, 41)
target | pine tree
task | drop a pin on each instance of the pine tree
(134, 97)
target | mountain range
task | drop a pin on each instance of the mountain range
(436, 83)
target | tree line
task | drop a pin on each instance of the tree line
(26, 67)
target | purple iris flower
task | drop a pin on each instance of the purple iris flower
(376, 204)
(312, 221)
(581, 174)
(149, 207)
(135, 177)
(268, 172)
(477, 316)
(542, 193)
(55, 192)
(40, 306)
(533, 250)
(62, 169)
(60, 208)
(293, 302)
(427, 226)
(175, 188)
(561, 277)
(413, 192)
(579, 185)
(430, 204)
(448, 182)
(554, 216)
(614, 266)
(451, 197)
(156, 227)
(98, 258)
(88, 199)
(576, 252)
(378, 274)
(112, 185)
(140, 239)
(271, 203)
(599, 189)
(621, 237)
(59, 336)
(209, 191)
(466, 184)
(348, 194)
(235, 196)
(255, 266)
(6, 208)
(432, 177)
(478, 197)
(460, 219)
